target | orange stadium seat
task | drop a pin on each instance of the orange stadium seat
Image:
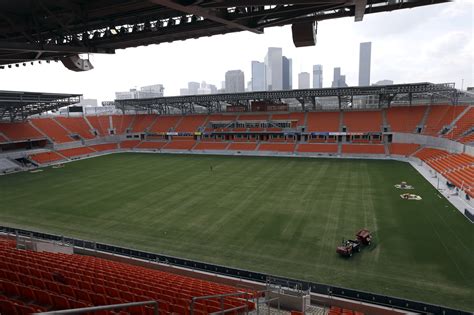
(142, 122)
(243, 146)
(52, 129)
(465, 123)
(42, 281)
(74, 152)
(211, 145)
(467, 139)
(323, 121)
(104, 147)
(76, 125)
(46, 157)
(440, 116)
(191, 123)
(363, 148)
(121, 123)
(280, 147)
(405, 118)
(430, 153)
(457, 168)
(297, 119)
(363, 121)
(151, 145)
(180, 145)
(322, 148)
(165, 123)
(19, 131)
(100, 123)
(129, 144)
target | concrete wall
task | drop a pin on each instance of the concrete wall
(441, 143)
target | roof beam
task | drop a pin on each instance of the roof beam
(205, 13)
(27, 47)
(359, 10)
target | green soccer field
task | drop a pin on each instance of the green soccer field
(284, 216)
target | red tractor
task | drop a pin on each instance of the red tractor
(364, 237)
(348, 247)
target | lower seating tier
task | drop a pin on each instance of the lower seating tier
(363, 148)
(46, 157)
(317, 148)
(41, 281)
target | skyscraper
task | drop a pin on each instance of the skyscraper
(364, 63)
(339, 80)
(303, 80)
(193, 88)
(287, 82)
(149, 91)
(317, 77)
(234, 81)
(258, 76)
(273, 69)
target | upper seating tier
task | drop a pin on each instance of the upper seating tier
(165, 123)
(441, 116)
(121, 123)
(405, 118)
(76, 125)
(52, 129)
(363, 121)
(191, 123)
(100, 123)
(20, 131)
(323, 121)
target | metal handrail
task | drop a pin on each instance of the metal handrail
(219, 296)
(231, 310)
(84, 310)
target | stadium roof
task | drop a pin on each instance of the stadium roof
(307, 97)
(17, 105)
(58, 29)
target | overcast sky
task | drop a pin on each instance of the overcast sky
(433, 43)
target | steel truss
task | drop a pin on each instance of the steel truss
(385, 94)
(16, 105)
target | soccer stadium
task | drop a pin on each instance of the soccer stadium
(263, 202)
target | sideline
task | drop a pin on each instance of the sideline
(439, 182)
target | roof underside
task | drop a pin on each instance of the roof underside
(52, 29)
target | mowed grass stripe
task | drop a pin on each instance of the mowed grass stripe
(283, 216)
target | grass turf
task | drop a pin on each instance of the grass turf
(284, 216)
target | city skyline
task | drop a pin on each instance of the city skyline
(263, 74)
(442, 35)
